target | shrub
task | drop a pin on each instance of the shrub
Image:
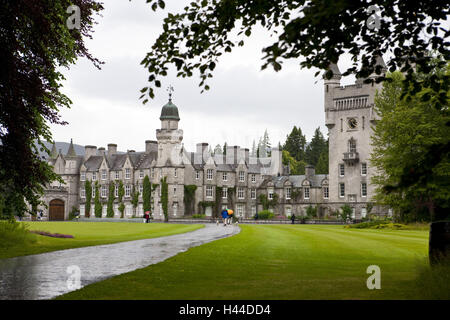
(265, 215)
(13, 233)
(198, 216)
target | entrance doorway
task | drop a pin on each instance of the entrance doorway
(56, 210)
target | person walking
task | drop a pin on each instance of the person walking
(293, 218)
(224, 217)
(147, 216)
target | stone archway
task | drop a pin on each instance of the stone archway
(56, 210)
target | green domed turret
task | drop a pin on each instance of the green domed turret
(169, 112)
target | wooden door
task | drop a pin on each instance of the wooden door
(56, 210)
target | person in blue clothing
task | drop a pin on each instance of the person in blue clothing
(224, 217)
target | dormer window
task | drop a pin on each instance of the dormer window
(103, 174)
(241, 176)
(94, 176)
(209, 174)
(127, 173)
(141, 174)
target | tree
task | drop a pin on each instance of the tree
(225, 148)
(295, 167)
(253, 153)
(346, 212)
(147, 194)
(315, 148)
(165, 198)
(323, 162)
(109, 208)
(120, 194)
(88, 192)
(35, 45)
(97, 203)
(318, 31)
(407, 131)
(135, 199)
(295, 144)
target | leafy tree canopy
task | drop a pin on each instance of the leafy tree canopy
(318, 31)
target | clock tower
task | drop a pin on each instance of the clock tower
(349, 117)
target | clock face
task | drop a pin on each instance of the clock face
(352, 123)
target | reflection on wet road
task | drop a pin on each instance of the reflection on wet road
(44, 276)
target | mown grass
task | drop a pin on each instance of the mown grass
(85, 234)
(281, 262)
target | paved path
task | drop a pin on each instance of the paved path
(44, 276)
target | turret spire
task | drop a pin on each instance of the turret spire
(71, 152)
(170, 90)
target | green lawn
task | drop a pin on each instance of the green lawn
(90, 234)
(281, 262)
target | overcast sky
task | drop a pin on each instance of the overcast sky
(242, 102)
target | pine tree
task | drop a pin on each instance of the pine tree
(97, 203)
(88, 192)
(253, 154)
(110, 209)
(225, 148)
(295, 144)
(147, 194)
(218, 149)
(315, 148)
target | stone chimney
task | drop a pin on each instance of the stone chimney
(112, 149)
(151, 146)
(89, 151)
(232, 154)
(101, 151)
(247, 155)
(310, 171)
(201, 153)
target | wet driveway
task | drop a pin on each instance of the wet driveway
(47, 275)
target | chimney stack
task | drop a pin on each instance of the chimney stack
(232, 154)
(310, 171)
(101, 151)
(89, 151)
(151, 146)
(112, 149)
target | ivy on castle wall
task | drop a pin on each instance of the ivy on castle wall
(189, 198)
(165, 198)
(88, 192)
(97, 203)
(110, 209)
(266, 203)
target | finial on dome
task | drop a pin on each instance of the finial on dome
(170, 90)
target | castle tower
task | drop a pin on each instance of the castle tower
(169, 137)
(349, 114)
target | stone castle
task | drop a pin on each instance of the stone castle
(234, 180)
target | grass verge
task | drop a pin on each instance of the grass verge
(20, 242)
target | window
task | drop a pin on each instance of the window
(351, 145)
(240, 193)
(363, 189)
(270, 192)
(153, 172)
(288, 193)
(117, 175)
(82, 210)
(83, 176)
(341, 170)
(341, 190)
(363, 212)
(83, 193)
(103, 174)
(127, 190)
(241, 176)
(224, 176)
(363, 169)
(253, 210)
(175, 191)
(141, 189)
(306, 193)
(253, 178)
(104, 210)
(93, 191)
(209, 191)
(127, 173)
(253, 193)
(209, 174)
(224, 193)
(94, 176)
(141, 173)
(326, 193)
(116, 191)
(103, 191)
(175, 208)
(175, 173)
(197, 175)
(240, 210)
(288, 211)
